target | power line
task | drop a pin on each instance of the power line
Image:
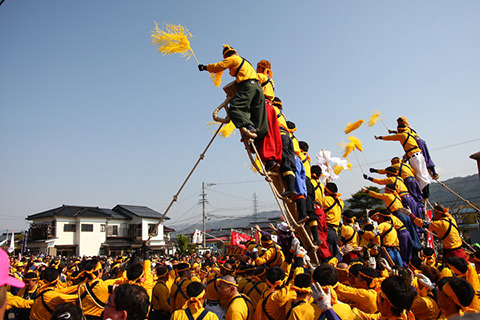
(435, 149)
(238, 182)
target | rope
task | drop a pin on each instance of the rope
(456, 194)
(175, 197)
(355, 154)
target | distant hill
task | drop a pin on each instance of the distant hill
(468, 187)
(227, 223)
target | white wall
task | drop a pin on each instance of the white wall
(65, 238)
(89, 243)
(156, 240)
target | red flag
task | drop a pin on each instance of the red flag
(237, 237)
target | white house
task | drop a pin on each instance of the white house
(91, 231)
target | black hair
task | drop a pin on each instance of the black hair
(459, 263)
(303, 280)
(399, 293)
(325, 275)
(50, 274)
(303, 146)
(265, 237)
(274, 274)
(161, 270)
(194, 289)
(133, 299)
(67, 311)
(332, 187)
(463, 290)
(291, 125)
(317, 170)
(134, 271)
(348, 214)
(368, 274)
(354, 269)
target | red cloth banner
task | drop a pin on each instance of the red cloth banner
(237, 237)
(430, 242)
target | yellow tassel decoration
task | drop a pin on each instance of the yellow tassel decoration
(356, 142)
(227, 129)
(337, 169)
(174, 39)
(216, 78)
(373, 119)
(353, 126)
(349, 147)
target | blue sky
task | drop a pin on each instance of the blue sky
(92, 114)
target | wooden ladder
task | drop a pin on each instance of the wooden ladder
(274, 180)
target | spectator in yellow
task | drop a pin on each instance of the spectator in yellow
(300, 307)
(178, 294)
(273, 256)
(239, 306)
(48, 298)
(194, 305)
(160, 295)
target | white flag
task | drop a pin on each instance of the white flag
(12, 243)
(197, 237)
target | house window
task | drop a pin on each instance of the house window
(102, 228)
(152, 230)
(87, 227)
(139, 230)
(69, 227)
(112, 231)
(53, 230)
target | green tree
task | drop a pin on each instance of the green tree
(360, 202)
(184, 246)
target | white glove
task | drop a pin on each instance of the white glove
(322, 299)
(384, 263)
(373, 223)
(356, 226)
(254, 250)
(423, 279)
(372, 263)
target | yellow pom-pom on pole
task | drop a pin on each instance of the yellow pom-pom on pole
(173, 39)
(356, 142)
(337, 169)
(353, 126)
(373, 119)
(349, 148)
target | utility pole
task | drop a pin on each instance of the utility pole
(203, 214)
(255, 208)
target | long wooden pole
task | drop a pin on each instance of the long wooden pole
(175, 197)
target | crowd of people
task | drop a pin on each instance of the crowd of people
(374, 268)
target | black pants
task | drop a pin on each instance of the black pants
(332, 240)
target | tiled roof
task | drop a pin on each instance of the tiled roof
(139, 211)
(78, 211)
